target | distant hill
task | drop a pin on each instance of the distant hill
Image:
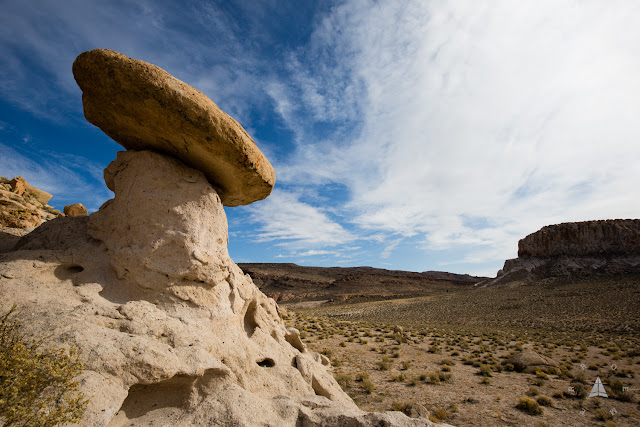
(291, 283)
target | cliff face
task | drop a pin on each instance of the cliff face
(607, 247)
(613, 236)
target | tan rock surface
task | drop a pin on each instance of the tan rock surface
(142, 107)
(171, 330)
(529, 361)
(22, 206)
(588, 238)
(76, 209)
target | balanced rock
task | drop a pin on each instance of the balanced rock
(76, 209)
(170, 328)
(142, 107)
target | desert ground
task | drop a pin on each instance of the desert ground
(450, 352)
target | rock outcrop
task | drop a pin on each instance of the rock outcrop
(142, 107)
(22, 205)
(171, 330)
(575, 249)
(76, 209)
(588, 238)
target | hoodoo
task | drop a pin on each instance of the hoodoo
(171, 331)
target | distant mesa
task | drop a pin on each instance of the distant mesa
(142, 107)
(575, 249)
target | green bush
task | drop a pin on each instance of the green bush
(37, 386)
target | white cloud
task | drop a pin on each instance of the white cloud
(514, 114)
(283, 217)
(69, 178)
(315, 253)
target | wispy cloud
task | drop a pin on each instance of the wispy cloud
(283, 217)
(518, 113)
(70, 179)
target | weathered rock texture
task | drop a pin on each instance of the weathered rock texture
(22, 205)
(529, 361)
(607, 237)
(142, 107)
(171, 330)
(575, 249)
(76, 209)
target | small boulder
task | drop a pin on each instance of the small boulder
(529, 361)
(76, 209)
(142, 107)
(18, 185)
(416, 410)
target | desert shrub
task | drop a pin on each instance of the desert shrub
(399, 378)
(580, 389)
(444, 376)
(343, 379)
(540, 374)
(533, 391)
(544, 400)
(509, 367)
(530, 406)
(440, 414)
(398, 406)
(485, 371)
(384, 364)
(602, 415)
(539, 382)
(368, 385)
(405, 364)
(37, 384)
(434, 378)
(485, 381)
(445, 368)
(361, 376)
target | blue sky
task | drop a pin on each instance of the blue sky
(415, 135)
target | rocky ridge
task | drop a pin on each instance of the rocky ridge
(575, 249)
(22, 205)
(288, 283)
(172, 332)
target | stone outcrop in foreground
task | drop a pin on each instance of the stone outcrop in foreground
(171, 331)
(142, 107)
(575, 249)
(170, 328)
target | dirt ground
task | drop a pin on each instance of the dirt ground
(463, 377)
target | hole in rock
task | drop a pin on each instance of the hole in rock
(67, 271)
(267, 362)
(163, 398)
(147, 403)
(250, 322)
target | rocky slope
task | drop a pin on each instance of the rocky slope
(575, 249)
(170, 329)
(22, 205)
(292, 283)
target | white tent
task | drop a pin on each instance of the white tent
(598, 389)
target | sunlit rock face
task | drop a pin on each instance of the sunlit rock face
(170, 329)
(607, 247)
